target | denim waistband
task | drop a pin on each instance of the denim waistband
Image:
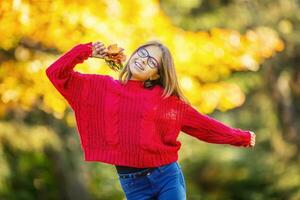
(137, 174)
(127, 169)
(145, 171)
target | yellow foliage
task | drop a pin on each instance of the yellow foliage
(32, 30)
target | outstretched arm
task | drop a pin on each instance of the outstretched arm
(210, 130)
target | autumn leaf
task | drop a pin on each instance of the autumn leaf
(115, 57)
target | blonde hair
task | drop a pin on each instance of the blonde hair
(167, 73)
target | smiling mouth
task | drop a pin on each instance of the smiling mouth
(137, 65)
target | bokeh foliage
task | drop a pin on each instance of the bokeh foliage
(223, 54)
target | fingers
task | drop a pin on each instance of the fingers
(253, 137)
(99, 50)
(97, 43)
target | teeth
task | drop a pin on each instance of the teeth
(137, 64)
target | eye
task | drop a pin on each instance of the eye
(143, 52)
(153, 62)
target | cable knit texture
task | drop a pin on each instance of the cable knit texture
(128, 124)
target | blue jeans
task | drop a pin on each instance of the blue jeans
(163, 183)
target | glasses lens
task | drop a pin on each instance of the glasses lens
(142, 52)
(152, 62)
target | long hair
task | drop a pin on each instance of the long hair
(167, 73)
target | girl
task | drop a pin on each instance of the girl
(133, 122)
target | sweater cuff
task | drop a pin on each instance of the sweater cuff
(89, 46)
(244, 137)
(85, 51)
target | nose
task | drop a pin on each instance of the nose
(144, 60)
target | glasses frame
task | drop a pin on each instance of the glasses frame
(140, 54)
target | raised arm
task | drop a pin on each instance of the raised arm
(68, 82)
(210, 130)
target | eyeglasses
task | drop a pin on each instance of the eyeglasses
(152, 62)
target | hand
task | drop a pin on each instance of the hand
(252, 140)
(99, 50)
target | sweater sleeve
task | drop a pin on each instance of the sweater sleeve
(68, 82)
(210, 130)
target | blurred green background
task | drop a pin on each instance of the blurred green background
(237, 61)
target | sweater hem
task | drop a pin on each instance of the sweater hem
(141, 160)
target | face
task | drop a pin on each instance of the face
(145, 62)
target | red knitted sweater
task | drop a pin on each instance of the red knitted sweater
(128, 124)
